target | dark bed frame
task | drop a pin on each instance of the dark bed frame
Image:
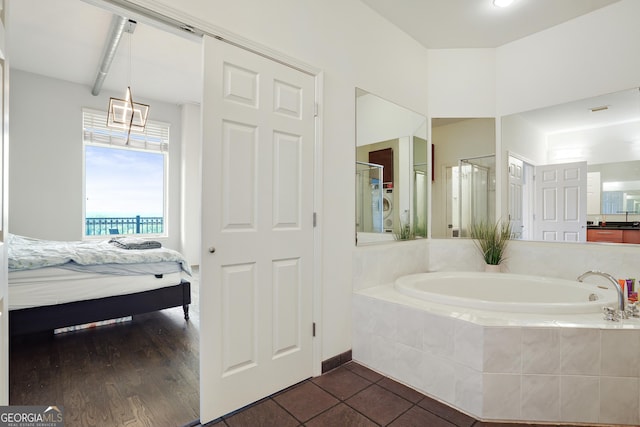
(50, 317)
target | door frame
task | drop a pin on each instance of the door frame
(528, 217)
(175, 21)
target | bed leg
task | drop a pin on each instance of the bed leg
(185, 308)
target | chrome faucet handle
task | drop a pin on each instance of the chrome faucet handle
(632, 310)
(611, 314)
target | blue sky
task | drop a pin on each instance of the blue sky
(122, 182)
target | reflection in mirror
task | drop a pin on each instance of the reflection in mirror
(391, 171)
(465, 170)
(574, 170)
(421, 178)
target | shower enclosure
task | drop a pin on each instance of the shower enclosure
(421, 181)
(369, 197)
(477, 191)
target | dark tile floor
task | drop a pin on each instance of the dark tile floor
(349, 396)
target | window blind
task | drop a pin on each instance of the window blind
(154, 137)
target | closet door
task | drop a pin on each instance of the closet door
(257, 228)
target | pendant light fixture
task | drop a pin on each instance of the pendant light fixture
(124, 113)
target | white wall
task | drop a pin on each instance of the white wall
(46, 156)
(380, 120)
(524, 139)
(615, 143)
(459, 140)
(191, 183)
(591, 55)
(462, 83)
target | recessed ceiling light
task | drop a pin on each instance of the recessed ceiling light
(502, 3)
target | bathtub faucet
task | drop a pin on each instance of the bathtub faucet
(621, 299)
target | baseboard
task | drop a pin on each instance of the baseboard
(335, 361)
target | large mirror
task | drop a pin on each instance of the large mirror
(464, 180)
(573, 170)
(392, 173)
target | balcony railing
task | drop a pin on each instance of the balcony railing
(127, 225)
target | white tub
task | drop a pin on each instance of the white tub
(448, 336)
(506, 292)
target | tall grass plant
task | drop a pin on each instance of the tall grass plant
(491, 240)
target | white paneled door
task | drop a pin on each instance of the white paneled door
(561, 202)
(516, 184)
(257, 228)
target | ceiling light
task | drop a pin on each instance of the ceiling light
(125, 113)
(502, 3)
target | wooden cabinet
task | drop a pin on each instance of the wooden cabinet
(613, 236)
(630, 236)
(600, 235)
(383, 157)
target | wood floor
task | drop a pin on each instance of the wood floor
(140, 373)
(144, 373)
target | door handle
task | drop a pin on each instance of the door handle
(212, 249)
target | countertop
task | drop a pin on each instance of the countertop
(615, 226)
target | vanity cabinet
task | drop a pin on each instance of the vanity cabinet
(604, 235)
(613, 236)
(631, 236)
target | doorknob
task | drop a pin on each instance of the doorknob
(212, 249)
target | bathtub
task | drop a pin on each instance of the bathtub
(504, 347)
(508, 292)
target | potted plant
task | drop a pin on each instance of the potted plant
(491, 240)
(406, 232)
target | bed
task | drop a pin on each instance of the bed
(58, 284)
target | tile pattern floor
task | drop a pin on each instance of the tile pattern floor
(349, 396)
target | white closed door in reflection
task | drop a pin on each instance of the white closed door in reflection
(516, 193)
(561, 202)
(257, 211)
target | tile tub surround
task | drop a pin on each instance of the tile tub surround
(574, 370)
(379, 264)
(563, 260)
(383, 263)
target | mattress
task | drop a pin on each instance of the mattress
(55, 285)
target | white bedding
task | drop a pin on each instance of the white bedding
(47, 272)
(54, 285)
(26, 253)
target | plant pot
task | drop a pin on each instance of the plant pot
(491, 268)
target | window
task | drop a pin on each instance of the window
(125, 180)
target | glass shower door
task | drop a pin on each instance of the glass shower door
(369, 198)
(477, 191)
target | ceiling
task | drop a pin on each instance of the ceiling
(445, 24)
(592, 113)
(65, 39)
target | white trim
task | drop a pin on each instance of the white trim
(317, 235)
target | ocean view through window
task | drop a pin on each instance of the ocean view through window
(125, 181)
